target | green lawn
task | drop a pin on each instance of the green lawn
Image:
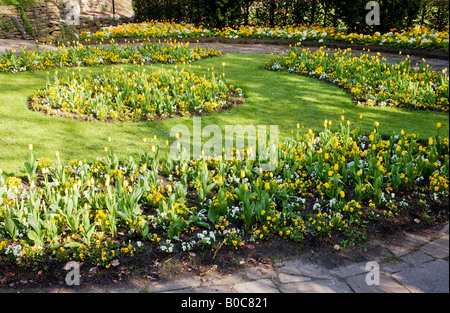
(273, 98)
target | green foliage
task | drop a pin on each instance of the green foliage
(351, 13)
(27, 25)
(393, 14)
(213, 13)
(18, 26)
(435, 13)
(5, 28)
(18, 3)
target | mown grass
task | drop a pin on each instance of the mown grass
(281, 99)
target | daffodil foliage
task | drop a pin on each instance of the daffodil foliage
(330, 184)
(371, 80)
(84, 55)
(120, 95)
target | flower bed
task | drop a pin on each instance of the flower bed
(81, 55)
(419, 38)
(327, 185)
(371, 81)
(119, 95)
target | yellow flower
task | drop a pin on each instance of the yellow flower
(342, 194)
(30, 146)
(439, 125)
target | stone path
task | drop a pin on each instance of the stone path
(418, 263)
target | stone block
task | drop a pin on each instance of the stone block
(438, 248)
(287, 278)
(257, 286)
(387, 285)
(318, 286)
(431, 277)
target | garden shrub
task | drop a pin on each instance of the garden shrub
(351, 13)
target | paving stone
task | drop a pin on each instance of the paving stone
(431, 277)
(318, 286)
(416, 258)
(302, 268)
(444, 229)
(409, 244)
(350, 270)
(187, 290)
(121, 290)
(387, 285)
(214, 289)
(438, 248)
(260, 272)
(222, 280)
(257, 286)
(393, 266)
(287, 278)
(159, 286)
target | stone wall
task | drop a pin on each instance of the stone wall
(38, 19)
(45, 19)
(95, 5)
